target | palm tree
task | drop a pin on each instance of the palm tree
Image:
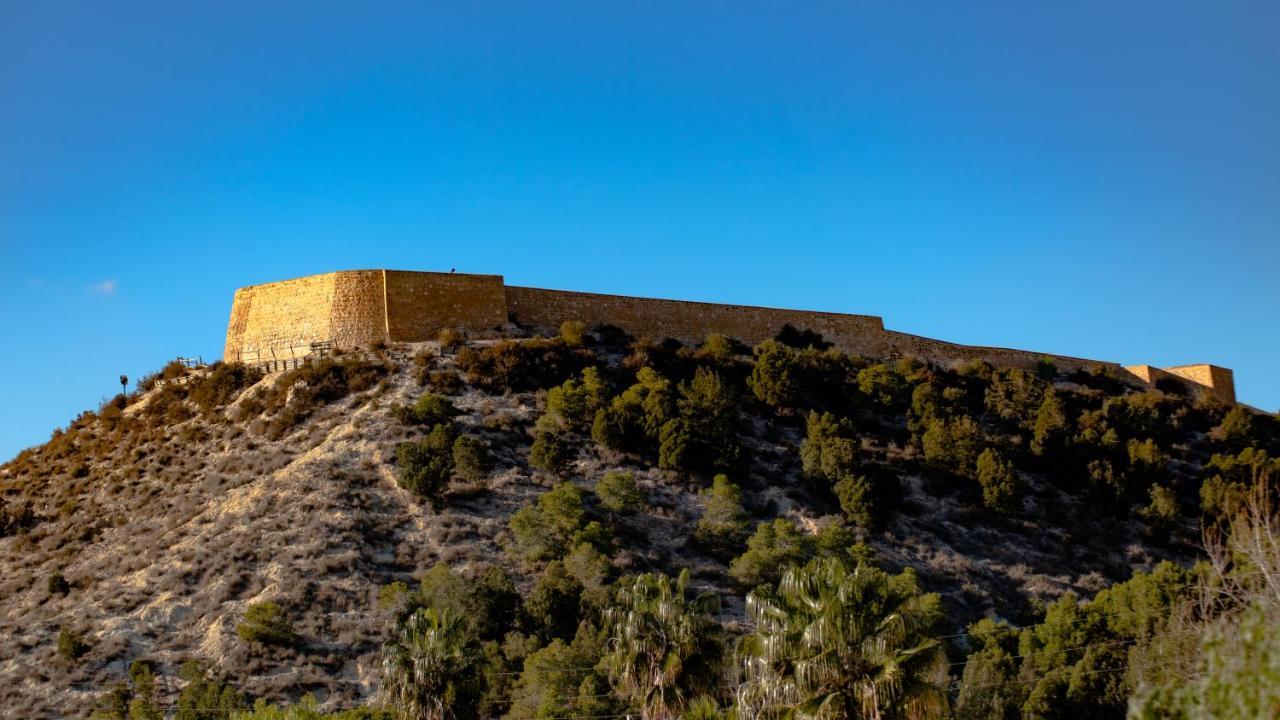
(664, 644)
(834, 643)
(427, 667)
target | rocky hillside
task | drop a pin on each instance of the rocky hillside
(146, 529)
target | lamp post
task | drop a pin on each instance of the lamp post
(124, 384)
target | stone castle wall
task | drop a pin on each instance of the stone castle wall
(1219, 379)
(940, 352)
(688, 321)
(420, 305)
(356, 308)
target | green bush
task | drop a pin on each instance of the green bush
(619, 493)
(1014, 395)
(869, 497)
(704, 438)
(572, 332)
(522, 366)
(299, 392)
(774, 377)
(487, 602)
(471, 458)
(552, 452)
(71, 644)
(1161, 514)
(830, 449)
(723, 525)
(717, 347)
(886, 389)
(430, 409)
(57, 584)
(553, 606)
(634, 419)
(221, 384)
(952, 444)
(573, 405)
(205, 696)
(424, 467)
(266, 622)
(1050, 428)
(780, 544)
(1002, 489)
(549, 527)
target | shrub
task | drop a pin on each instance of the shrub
(71, 645)
(547, 529)
(424, 467)
(571, 332)
(619, 493)
(883, 386)
(1014, 395)
(573, 404)
(299, 392)
(952, 444)
(717, 347)
(205, 696)
(634, 419)
(57, 584)
(522, 366)
(1238, 429)
(774, 376)
(1001, 487)
(266, 622)
(471, 458)
(430, 409)
(704, 437)
(723, 525)
(553, 605)
(1046, 369)
(1162, 514)
(781, 544)
(1049, 430)
(487, 603)
(552, 452)
(222, 384)
(449, 339)
(869, 497)
(829, 450)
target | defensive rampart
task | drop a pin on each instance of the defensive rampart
(359, 307)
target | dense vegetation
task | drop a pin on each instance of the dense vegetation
(809, 615)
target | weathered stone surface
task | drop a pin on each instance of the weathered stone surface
(357, 307)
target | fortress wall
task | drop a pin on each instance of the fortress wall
(354, 308)
(1217, 380)
(947, 354)
(278, 315)
(420, 304)
(1220, 381)
(357, 309)
(689, 321)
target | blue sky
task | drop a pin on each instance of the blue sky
(1090, 179)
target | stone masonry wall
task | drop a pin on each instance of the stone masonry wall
(278, 315)
(354, 308)
(419, 305)
(946, 354)
(689, 321)
(358, 309)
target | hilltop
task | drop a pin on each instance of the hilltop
(147, 529)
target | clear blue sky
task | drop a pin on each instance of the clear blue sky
(1089, 180)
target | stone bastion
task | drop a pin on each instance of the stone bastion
(353, 308)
